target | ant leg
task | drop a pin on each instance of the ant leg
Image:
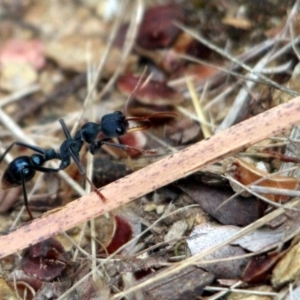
(120, 146)
(48, 153)
(26, 203)
(65, 129)
(34, 148)
(36, 168)
(83, 173)
(5, 152)
(77, 160)
(46, 170)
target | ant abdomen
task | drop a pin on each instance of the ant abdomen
(13, 176)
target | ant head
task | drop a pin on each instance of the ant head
(114, 124)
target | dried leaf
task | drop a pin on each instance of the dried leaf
(22, 51)
(6, 292)
(136, 139)
(205, 236)
(19, 275)
(211, 199)
(118, 230)
(200, 73)
(45, 260)
(176, 231)
(267, 238)
(288, 268)
(70, 53)
(122, 235)
(158, 29)
(52, 290)
(259, 268)
(186, 44)
(186, 284)
(294, 294)
(183, 131)
(134, 265)
(17, 75)
(90, 289)
(246, 173)
(153, 93)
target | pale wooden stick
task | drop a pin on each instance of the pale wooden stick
(174, 167)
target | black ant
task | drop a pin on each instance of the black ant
(113, 125)
(23, 168)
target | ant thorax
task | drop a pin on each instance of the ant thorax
(89, 132)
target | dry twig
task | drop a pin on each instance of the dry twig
(155, 176)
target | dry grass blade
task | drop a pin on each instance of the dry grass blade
(234, 60)
(156, 175)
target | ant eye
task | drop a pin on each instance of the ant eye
(119, 130)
